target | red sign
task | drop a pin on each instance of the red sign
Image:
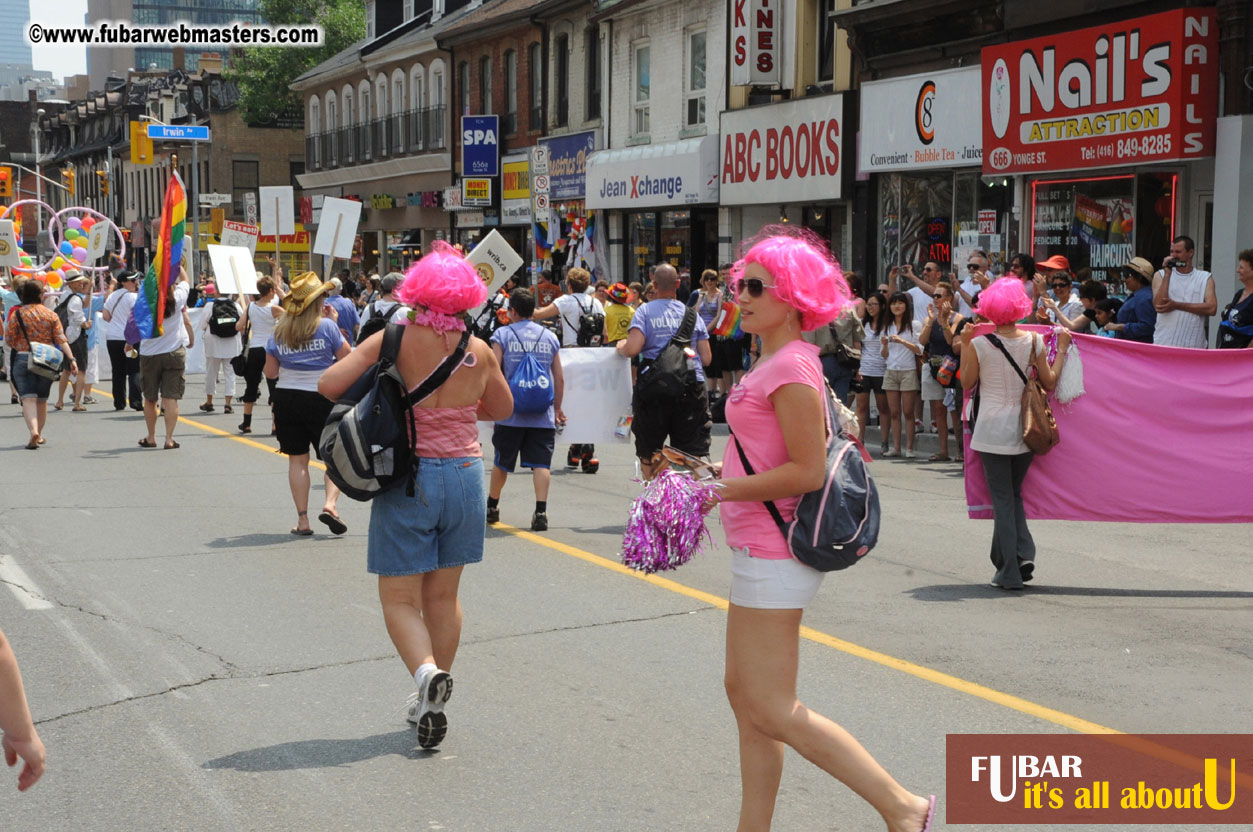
(1031, 780)
(1144, 90)
(755, 29)
(787, 152)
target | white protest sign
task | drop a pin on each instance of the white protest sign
(240, 234)
(10, 252)
(97, 241)
(494, 260)
(597, 394)
(278, 211)
(233, 269)
(337, 227)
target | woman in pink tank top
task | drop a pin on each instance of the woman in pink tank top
(418, 545)
(786, 283)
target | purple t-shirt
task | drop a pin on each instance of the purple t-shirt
(659, 320)
(300, 369)
(515, 341)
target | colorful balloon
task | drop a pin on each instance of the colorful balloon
(67, 248)
(71, 234)
(80, 254)
(74, 222)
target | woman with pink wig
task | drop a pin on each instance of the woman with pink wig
(787, 283)
(418, 545)
(997, 432)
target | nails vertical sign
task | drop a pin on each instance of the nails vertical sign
(756, 35)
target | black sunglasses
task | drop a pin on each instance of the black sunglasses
(974, 267)
(939, 296)
(754, 286)
(1061, 285)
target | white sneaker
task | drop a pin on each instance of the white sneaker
(909, 454)
(892, 454)
(426, 708)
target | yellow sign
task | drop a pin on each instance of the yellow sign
(515, 180)
(141, 145)
(476, 192)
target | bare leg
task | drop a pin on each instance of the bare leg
(150, 418)
(41, 416)
(909, 401)
(762, 655)
(894, 419)
(441, 612)
(171, 419)
(80, 387)
(62, 383)
(298, 481)
(542, 477)
(332, 494)
(497, 485)
(30, 415)
(940, 417)
(863, 415)
(423, 616)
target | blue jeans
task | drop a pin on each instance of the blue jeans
(29, 385)
(439, 527)
(838, 376)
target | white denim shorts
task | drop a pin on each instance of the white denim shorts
(767, 584)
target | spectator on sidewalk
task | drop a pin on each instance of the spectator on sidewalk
(1236, 329)
(869, 379)
(123, 360)
(938, 336)
(1091, 292)
(1106, 313)
(1184, 298)
(901, 349)
(1137, 318)
(528, 432)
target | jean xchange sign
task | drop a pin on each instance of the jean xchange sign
(480, 145)
(643, 187)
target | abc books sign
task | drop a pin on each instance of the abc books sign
(921, 121)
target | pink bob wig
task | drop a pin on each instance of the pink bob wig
(1004, 302)
(442, 281)
(806, 276)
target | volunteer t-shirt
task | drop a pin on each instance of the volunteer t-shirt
(515, 341)
(301, 367)
(172, 331)
(659, 320)
(752, 419)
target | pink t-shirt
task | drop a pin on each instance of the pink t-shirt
(752, 418)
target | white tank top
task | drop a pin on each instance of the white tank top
(1179, 328)
(262, 321)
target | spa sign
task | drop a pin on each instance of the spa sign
(1143, 90)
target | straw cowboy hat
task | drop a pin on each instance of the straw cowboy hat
(1141, 267)
(306, 288)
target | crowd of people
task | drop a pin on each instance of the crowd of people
(758, 342)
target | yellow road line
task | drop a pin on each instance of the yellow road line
(1007, 700)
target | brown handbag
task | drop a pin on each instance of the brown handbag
(1039, 428)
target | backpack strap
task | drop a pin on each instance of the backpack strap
(393, 334)
(687, 328)
(996, 342)
(770, 506)
(441, 373)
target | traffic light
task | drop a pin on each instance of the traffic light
(67, 179)
(6, 183)
(103, 177)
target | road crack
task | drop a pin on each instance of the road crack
(593, 625)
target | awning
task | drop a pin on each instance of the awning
(654, 176)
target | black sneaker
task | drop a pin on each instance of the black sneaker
(493, 514)
(572, 458)
(590, 464)
(539, 521)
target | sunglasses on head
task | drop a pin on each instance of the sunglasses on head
(754, 285)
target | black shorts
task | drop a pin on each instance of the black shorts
(534, 444)
(79, 350)
(728, 354)
(299, 416)
(868, 384)
(685, 421)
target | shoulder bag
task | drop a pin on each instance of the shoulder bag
(45, 360)
(1039, 428)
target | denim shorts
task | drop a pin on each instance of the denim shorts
(441, 526)
(29, 385)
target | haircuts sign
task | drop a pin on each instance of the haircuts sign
(1143, 90)
(756, 35)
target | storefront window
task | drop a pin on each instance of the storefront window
(915, 214)
(1100, 223)
(676, 235)
(983, 219)
(642, 235)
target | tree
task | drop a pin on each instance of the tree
(264, 74)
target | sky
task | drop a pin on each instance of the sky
(60, 60)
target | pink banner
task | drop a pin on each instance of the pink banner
(1162, 435)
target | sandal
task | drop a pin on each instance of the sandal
(78, 408)
(172, 445)
(939, 458)
(300, 531)
(33, 444)
(206, 408)
(58, 407)
(333, 522)
(144, 443)
(228, 409)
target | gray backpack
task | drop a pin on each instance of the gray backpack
(838, 524)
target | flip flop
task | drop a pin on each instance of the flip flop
(78, 409)
(173, 445)
(32, 445)
(144, 443)
(333, 522)
(302, 532)
(939, 458)
(926, 827)
(43, 441)
(58, 407)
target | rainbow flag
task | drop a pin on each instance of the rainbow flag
(728, 320)
(163, 270)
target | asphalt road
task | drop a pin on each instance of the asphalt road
(193, 666)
